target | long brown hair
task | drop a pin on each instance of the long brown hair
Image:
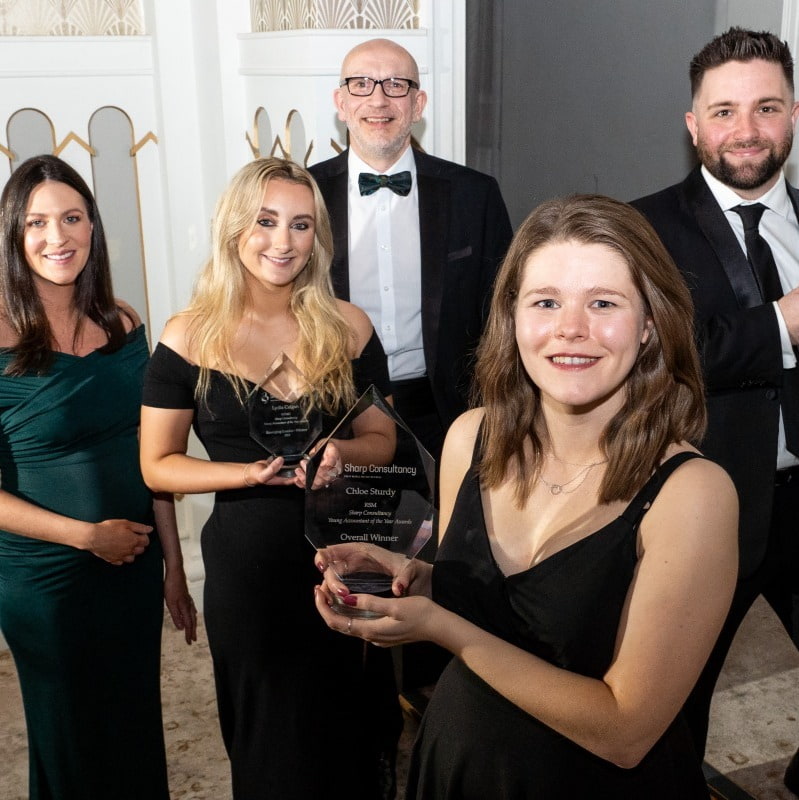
(664, 400)
(22, 306)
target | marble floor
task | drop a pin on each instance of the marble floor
(754, 730)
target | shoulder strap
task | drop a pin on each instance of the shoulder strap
(640, 504)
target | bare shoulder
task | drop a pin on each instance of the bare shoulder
(176, 335)
(698, 505)
(359, 322)
(461, 438)
(130, 319)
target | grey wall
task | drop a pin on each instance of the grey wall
(590, 96)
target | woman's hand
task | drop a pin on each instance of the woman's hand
(400, 620)
(409, 575)
(328, 470)
(118, 541)
(179, 603)
(266, 472)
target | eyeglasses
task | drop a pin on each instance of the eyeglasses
(392, 87)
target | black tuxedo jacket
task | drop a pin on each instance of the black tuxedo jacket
(739, 342)
(464, 233)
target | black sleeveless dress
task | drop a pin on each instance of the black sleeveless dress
(473, 743)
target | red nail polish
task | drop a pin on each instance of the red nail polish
(321, 567)
(342, 592)
(402, 588)
(350, 600)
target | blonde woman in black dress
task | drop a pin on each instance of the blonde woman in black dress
(282, 678)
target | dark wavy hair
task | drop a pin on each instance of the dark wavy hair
(739, 44)
(22, 306)
(664, 390)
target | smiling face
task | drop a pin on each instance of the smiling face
(580, 322)
(277, 248)
(742, 124)
(379, 126)
(58, 234)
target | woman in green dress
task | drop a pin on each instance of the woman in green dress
(81, 570)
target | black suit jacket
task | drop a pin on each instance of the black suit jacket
(739, 342)
(464, 233)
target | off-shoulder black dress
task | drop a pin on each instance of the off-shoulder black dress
(299, 706)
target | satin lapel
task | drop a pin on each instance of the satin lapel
(434, 210)
(337, 206)
(717, 231)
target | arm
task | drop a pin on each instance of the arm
(164, 434)
(176, 591)
(674, 610)
(117, 541)
(166, 467)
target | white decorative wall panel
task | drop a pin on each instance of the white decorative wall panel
(281, 15)
(71, 18)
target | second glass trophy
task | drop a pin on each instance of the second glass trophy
(370, 508)
(283, 419)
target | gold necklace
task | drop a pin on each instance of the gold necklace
(560, 488)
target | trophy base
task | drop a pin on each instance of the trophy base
(376, 583)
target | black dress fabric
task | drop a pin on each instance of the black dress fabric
(302, 708)
(475, 744)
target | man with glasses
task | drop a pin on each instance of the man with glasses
(417, 244)
(417, 239)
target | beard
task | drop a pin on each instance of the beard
(746, 177)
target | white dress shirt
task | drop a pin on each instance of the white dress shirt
(779, 227)
(385, 265)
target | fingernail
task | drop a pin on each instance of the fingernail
(342, 592)
(350, 600)
(321, 567)
(402, 588)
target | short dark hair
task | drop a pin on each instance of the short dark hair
(739, 44)
(94, 297)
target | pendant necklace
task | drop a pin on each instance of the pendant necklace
(560, 488)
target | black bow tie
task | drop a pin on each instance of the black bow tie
(399, 183)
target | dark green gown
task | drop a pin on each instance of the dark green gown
(85, 635)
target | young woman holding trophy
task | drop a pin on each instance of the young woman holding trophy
(588, 554)
(263, 322)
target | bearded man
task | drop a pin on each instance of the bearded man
(731, 227)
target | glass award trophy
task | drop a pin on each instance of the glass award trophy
(373, 506)
(282, 418)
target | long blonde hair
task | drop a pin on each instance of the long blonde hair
(664, 390)
(220, 297)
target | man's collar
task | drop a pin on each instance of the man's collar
(776, 198)
(356, 165)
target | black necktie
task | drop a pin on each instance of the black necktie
(760, 256)
(399, 183)
(761, 259)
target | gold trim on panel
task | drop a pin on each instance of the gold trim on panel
(73, 137)
(13, 156)
(256, 152)
(148, 137)
(7, 153)
(277, 143)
